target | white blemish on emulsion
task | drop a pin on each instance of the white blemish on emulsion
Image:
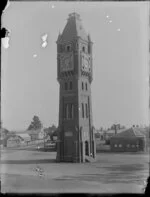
(5, 42)
(44, 39)
(35, 55)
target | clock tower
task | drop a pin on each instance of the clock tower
(76, 141)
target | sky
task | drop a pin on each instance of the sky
(120, 33)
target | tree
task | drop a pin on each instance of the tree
(35, 124)
(4, 132)
(50, 130)
(4, 136)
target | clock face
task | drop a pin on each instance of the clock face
(66, 62)
(85, 63)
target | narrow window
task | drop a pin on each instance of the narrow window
(82, 110)
(70, 85)
(86, 108)
(72, 111)
(83, 49)
(68, 48)
(82, 86)
(86, 148)
(66, 86)
(67, 111)
(86, 86)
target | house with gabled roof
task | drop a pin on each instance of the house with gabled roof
(129, 140)
(24, 136)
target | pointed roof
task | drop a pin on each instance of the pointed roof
(131, 132)
(73, 29)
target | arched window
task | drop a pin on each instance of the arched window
(120, 145)
(115, 145)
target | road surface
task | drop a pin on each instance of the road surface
(25, 171)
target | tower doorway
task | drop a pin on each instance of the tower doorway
(86, 148)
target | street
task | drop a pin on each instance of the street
(26, 171)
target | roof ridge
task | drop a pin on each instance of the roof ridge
(76, 26)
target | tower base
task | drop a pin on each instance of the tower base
(77, 156)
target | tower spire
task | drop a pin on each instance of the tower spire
(74, 28)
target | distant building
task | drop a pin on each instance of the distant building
(13, 140)
(110, 133)
(129, 140)
(36, 134)
(99, 134)
(24, 136)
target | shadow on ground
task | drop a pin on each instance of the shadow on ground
(28, 161)
(31, 149)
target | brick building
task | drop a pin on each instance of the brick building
(76, 142)
(130, 140)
